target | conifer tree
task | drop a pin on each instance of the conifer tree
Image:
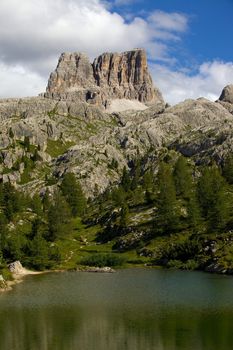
(227, 170)
(39, 252)
(27, 143)
(148, 180)
(193, 213)
(124, 216)
(36, 204)
(183, 178)
(73, 194)
(213, 198)
(58, 215)
(118, 196)
(3, 232)
(167, 218)
(46, 201)
(136, 175)
(125, 181)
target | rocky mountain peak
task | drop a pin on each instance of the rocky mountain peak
(227, 94)
(111, 76)
(73, 72)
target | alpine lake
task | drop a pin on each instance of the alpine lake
(133, 309)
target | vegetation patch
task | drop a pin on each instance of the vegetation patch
(101, 260)
(57, 147)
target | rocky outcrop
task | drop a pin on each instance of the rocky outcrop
(226, 98)
(111, 76)
(96, 269)
(73, 72)
(227, 94)
(125, 75)
(78, 137)
(17, 268)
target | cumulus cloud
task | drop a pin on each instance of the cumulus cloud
(208, 82)
(34, 36)
(169, 21)
(19, 82)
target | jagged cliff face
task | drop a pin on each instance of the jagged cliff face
(73, 72)
(72, 134)
(125, 75)
(111, 76)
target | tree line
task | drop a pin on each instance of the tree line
(44, 219)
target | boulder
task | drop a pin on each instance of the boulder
(16, 268)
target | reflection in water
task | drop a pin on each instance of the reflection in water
(126, 310)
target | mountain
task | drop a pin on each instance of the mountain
(110, 77)
(105, 123)
(74, 133)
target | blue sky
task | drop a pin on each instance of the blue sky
(209, 35)
(188, 42)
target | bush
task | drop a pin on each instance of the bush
(101, 260)
(6, 274)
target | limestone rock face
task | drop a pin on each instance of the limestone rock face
(73, 72)
(125, 75)
(111, 76)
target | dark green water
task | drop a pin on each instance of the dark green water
(130, 309)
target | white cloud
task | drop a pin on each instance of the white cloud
(18, 82)
(124, 2)
(209, 81)
(169, 21)
(34, 36)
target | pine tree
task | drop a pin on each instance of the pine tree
(148, 180)
(213, 198)
(118, 196)
(27, 143)
(125, 181)
(167, 218)
(39, 252)
(58, 215)
(136, 175)
(124, 215)
(36, 205)
(227, 169)
(183, 178)
(3, 232)
(73, 194)
(46, 201)
(11, 133)
(12, 200)
(193, 213)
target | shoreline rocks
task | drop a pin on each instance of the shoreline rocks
(105, 269)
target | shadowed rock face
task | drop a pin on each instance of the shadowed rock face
(111, 76)
(226, 98)
(227, 94)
